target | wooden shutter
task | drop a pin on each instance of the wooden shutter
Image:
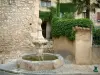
(98, 16)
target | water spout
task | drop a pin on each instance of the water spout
(40, 53)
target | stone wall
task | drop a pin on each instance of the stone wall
(96, 54)
(63, 46)
(18, 26)
(83, 46)
(48, 30)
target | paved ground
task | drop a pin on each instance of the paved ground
(67, 69)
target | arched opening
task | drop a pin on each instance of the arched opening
(43, 26)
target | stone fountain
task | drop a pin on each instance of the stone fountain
(20, 28)
(45, 61)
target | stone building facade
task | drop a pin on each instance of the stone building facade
(18, 26)
(93, 16)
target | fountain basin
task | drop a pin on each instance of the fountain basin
(36, 65)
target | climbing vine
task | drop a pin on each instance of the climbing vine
(64, 27)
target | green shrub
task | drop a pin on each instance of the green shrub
(44, 15)
(53, 12)
(64, 27)
(96, 36)
(68, 15)
(47, 15)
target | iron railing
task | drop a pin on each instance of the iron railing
(96, 40)
(96, 36)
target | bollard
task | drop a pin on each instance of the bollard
(95, 69)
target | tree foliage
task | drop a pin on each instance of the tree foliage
(85, 5)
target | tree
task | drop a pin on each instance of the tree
(85, 5)
(58, 8)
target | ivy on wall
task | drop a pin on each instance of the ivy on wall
(64, 27)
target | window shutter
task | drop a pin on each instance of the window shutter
(98, 16)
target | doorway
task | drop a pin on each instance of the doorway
(43, 26)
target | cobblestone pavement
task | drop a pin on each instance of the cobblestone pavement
(67, 69)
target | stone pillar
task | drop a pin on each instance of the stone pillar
(83, 53)
(48, 30)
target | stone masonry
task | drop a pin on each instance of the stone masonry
(18, 26)
(83, 51)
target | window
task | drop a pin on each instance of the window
(45, 3)
(98, 16)
(48, 4)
